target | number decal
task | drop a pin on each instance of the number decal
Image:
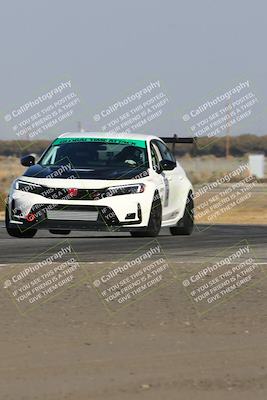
(167, 191)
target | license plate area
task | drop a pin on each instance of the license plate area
(69, 215)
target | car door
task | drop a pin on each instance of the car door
(175, 179)
(165, 178)
(161, 181)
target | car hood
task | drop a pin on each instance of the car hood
(65, 172)
(87, 179)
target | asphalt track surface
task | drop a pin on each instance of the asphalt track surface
(205, 242)
(71, 348)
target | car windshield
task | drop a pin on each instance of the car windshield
(95, 153)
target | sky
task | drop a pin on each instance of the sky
(191, 51)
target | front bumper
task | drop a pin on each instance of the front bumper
(75, 215)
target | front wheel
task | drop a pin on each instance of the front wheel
(154, 223)
(16, 232)
(186, 225)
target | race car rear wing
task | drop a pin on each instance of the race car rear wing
(177, 139)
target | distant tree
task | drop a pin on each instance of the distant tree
(240, 145)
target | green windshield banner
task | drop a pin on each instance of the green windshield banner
(130, 142)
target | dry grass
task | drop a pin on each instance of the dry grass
(209, 168)
(251, 211)
(10, 168)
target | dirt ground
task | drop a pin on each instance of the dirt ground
(159, 347)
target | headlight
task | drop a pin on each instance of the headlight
(126, 189)
(27, 186)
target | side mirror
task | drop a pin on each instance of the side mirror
(167, 165)
(27, 161)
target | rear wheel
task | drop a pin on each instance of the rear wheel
(186, 225)
(16, 232)
(154, 223)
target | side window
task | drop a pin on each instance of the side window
(165, 152)
(156, 156)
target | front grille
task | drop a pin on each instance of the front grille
(65, 215)
(61, 212)
(62, 194)
(82, 194)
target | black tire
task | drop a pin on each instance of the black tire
(16, 232)
(186, 225)
(59, 232)
(154, 224)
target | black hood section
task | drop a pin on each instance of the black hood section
(54, 172)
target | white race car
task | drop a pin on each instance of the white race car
(101, 181)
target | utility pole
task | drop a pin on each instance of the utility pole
(79, 126)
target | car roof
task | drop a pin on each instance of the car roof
(113, 135)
